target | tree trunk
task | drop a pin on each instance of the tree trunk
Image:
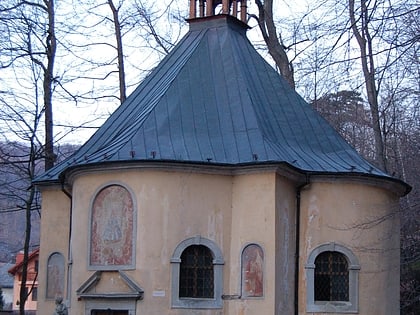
(23, 294)
(51, 47)
(275, 48)
(364, 41)
(118, 37)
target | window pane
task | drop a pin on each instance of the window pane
(331, 277)
(196, 273)
(322, 287)
(35, 294)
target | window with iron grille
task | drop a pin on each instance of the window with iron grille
(331, 277)
(196, 273)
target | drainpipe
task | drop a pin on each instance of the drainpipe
(297, 242)
(69, 255)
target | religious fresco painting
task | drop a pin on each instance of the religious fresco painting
(55, 276)
(252, 271)
(111, 243)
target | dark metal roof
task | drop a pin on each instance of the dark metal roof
(214, 98)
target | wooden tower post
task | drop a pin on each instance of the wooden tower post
(206, 8)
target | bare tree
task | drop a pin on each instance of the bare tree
(347, 113)
(372, 48)
(120, 54)
(275, 46)
(149, 19)
(29, 59)
(134, 19)
(48, 82)
(22, 163)
(125, 33)
(360, 26)
(38, 19)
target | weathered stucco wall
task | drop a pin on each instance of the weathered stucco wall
(232, 211)
(55, 224)
(170, 208)
(285, 245)
(364, 219)
(253, 221)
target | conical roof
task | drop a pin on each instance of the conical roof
(214, 99)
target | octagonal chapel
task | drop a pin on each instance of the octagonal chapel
(216, 189)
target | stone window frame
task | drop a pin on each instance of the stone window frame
(218, 262)
(350, 306)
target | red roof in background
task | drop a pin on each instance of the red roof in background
(19, 261)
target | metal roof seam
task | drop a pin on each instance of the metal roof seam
(215, 99)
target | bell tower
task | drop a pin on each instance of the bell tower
(206, 8)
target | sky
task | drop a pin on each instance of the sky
(91, 39)
(138, 62)
(76, 121)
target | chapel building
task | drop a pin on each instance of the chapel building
(216, 189)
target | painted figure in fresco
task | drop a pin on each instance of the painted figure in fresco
(253, 271)
(112, 233)
(112, 227)
(60, 307)
(55, 280)
(55, 276)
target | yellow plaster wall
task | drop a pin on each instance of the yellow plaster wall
(55, 222)
(253, 221)
(232, 211)
(285, 245)
(363, 218)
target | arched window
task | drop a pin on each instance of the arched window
(252, 265)
(332, 279)
(197, 274)
(55, 276)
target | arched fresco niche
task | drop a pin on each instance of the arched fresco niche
(55, 276)
(252, 262)
(112, 229)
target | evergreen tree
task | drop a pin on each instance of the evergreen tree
(1, 299)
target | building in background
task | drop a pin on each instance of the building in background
(31, 282)
(216, 189)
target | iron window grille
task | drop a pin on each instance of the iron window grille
(331, 277)
(196, 273)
